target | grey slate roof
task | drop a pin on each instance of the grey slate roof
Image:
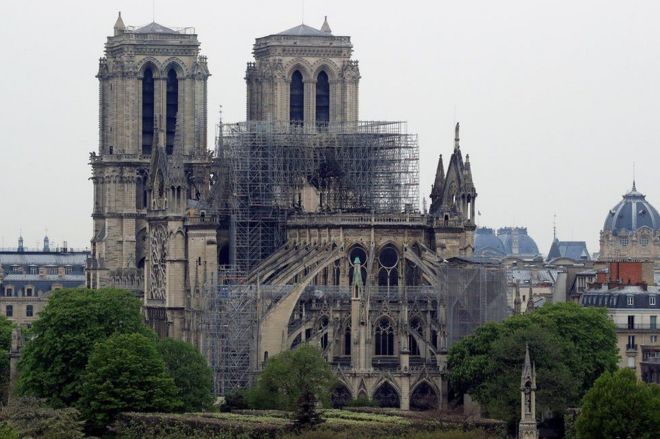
(632, 213)
(155, 28)
(39, 258)
(486, 243)
(302, 30)
(618, 298)
(526, 245)
(576, 250)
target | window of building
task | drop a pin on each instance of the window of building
(29, 291)
(644, 241)
(52, 270)
(322, 99)
(631, 322)
(631, 300)
(631, 342)
(68, 269)
(172, 98)
(624, 242)
(147, 111)
(297, 98)
(654, 322)
(347, 341)
(16, 269)
(9, 291)
(28, 311)
(9, 310)
(652, 300)
(384, 337)
(34, 269)
(654, 339)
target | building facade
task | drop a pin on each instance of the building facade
(303, 226)
(28, 276)
(633, 304)
(631, 230)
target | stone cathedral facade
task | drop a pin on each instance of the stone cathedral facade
(164, 213)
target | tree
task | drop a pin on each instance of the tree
(65, 334)
(288, 376)
(125, 373)
(619, 406)
(192, 375)
(6, 328)
(306, 415)
(570, 345)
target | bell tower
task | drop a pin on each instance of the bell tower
(303, 76)
(149, 73)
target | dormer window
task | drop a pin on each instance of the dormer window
(652, 300)
(624, 242)
(631, 300)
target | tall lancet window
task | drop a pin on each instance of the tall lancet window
(322, 99)
(297, 99)
(147, 111)
(172, 109)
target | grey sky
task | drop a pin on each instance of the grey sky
(556, 99)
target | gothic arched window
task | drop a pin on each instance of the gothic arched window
(147, 111)
(172, 109)
(384, 337)
(297, 98)
(322, 99)
(415, 328)
(347, 341)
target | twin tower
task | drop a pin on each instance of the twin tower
(153, 172)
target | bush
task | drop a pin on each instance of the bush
(362, 402)
(30, 417)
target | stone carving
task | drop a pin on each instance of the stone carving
(157, 276)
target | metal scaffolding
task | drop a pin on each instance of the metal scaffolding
(269, 170)
(471, 295)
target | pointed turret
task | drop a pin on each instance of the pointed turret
(527, 369)
(46, 244)
(120, 27)
(516, 301)
(527, 426)
(530, 300)
(457, 139)
(20, 249)
(467, 173)
(439, 183)
(326, 27)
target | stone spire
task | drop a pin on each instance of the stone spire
(46, 243)
(326, 27)
(20, 248)
(457, 138)
(120, 27)
(438, 185)
(527, 426)
(530, 299)
(516, 301)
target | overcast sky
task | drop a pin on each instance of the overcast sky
(556, 99)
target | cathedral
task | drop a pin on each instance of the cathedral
(302, 225)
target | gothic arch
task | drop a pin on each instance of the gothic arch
(178, 65)
(301, 65)
(150, 62)
(341, 394)
(386, 394)
(424, 395)
(327, 65)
